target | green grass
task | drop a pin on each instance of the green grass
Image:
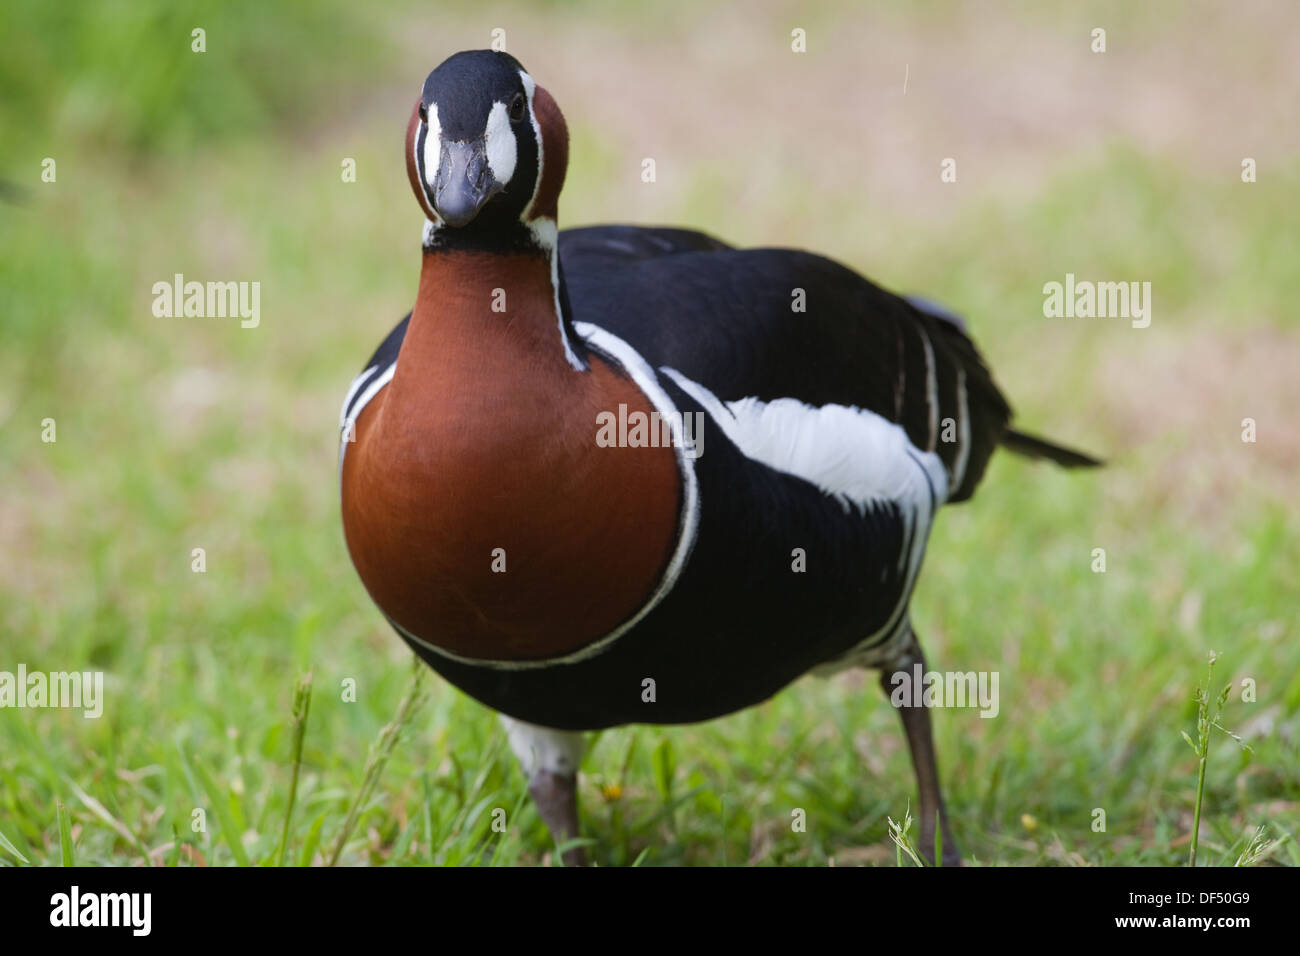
(176, 434)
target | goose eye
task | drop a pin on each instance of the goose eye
(517, 108)
(424, 113)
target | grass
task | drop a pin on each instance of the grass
(176, 434)
(301, 708)
(378, 759)
(1207, 721)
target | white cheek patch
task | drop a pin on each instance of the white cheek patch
(501, 148)
(432, 145)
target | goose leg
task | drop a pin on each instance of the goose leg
(550, 760)
(920, 741)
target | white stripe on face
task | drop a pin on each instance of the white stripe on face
(501, 148)
(529, 89)
(432, 146)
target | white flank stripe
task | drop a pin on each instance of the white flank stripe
(854, 455)
(851, 454)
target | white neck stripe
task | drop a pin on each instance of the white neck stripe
(546, 236)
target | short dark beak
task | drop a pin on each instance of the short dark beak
(464, 184)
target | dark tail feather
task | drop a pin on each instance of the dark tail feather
(1032, 447)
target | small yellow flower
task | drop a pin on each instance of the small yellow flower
(1029, 822)
(611, 792)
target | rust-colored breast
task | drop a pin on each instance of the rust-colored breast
(479, 510)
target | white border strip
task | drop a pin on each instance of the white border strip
(546, 235)
(351, 420)
(352, 390)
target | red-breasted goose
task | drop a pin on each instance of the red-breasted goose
(616, 475)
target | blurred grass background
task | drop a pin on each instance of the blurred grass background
(176, 434)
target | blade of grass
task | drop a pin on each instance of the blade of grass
(301, 707)
(379, 754)
(664, 768)
(65, 834)
(313, 840)
(575, 843)
(9, 847)
(1202, 748)
(99, 810)
(1207, 720)
(900, 834)
(174, 858)
(219, 798)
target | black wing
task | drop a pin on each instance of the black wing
(621, 244)
(781, 323)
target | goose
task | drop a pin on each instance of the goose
(634, 475)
